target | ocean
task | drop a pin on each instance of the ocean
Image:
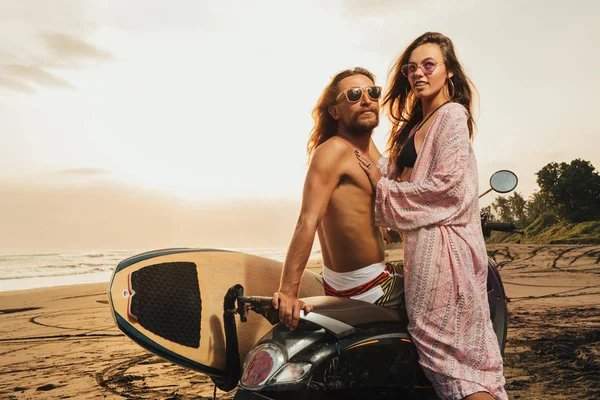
(29, 271)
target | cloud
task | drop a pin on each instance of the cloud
(49, 217)
(38, 38)
(15, 84)
(64, 50)
(71, 47)
(360, 8)
(84, 172)
(36, 75)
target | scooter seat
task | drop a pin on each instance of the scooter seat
(353, 312)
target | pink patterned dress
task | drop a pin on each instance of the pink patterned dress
(445, 259)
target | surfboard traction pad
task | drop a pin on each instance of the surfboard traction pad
(174, 314)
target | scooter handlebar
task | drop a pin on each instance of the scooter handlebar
(502, 227)
(258, 300)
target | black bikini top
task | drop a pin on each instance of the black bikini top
(408, 154)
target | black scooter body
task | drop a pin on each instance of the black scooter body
(376, 361)
(344, 369)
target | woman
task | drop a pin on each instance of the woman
(428, 190)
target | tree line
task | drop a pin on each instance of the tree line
(567, 192)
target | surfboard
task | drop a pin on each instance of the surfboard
(170, 302)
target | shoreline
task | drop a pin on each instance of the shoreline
(52, 269)
(59, 281)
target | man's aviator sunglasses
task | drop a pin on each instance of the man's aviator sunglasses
(355, 94)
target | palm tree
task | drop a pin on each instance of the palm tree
(502, 208)
(517, 206)
(538, 204)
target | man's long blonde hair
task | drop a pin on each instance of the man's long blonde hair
(325, 126)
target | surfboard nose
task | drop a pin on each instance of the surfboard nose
(165, 299)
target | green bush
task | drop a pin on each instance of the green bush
(547, 229)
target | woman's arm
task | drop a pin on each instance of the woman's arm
(444, 194)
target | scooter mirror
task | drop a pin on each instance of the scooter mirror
(504, 181)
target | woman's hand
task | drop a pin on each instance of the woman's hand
(369, 168)
(387, 238)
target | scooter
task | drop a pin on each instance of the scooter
(344, 348)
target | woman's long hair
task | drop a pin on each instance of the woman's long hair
(325, 126)
(405, 109)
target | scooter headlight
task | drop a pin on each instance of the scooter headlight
(261, 364)
(292, 373)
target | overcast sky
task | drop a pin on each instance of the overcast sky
(206, 100)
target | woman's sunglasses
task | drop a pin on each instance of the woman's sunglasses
(355, 94)
(427, 66)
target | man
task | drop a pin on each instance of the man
(337, 202)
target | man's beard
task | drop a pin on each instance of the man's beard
(359, 128)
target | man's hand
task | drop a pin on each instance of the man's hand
(289, 309)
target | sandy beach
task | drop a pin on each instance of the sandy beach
(61, 342)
